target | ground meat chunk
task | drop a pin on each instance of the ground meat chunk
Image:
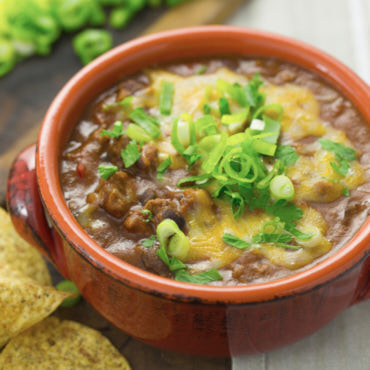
(136, 222)
(117, 194)
(149, 158)
(165, 208)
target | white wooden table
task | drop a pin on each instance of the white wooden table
(341, 28)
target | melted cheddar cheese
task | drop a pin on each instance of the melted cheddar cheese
(301, 120)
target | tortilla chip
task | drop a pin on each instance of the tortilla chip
(17, 254)
(55, 344)
(23, 303)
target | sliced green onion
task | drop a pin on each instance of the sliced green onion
(149, 124)
(105, 172)
(264, 147)
(209, 142)
(172, 239)
(345, 192)
(69, 286)
(207, 109)
(91, 43)
(119, 17)
(166, 97)
(281, 187)
(276, 108)
(117, 130)
(236, 118)
(206, 125)
(175, 141)
(216, 154)
(137, 133)
(235, 91)
(163, 167)
(272, 128)
(197, 180)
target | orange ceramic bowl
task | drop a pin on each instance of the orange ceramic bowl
(194, 319)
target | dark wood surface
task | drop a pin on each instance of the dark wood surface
(25, 95)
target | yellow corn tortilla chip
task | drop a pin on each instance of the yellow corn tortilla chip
(23, 303)
(55, 344)
(17, 254)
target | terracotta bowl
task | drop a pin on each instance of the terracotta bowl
(193, 319)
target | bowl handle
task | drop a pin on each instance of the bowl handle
(27, 211)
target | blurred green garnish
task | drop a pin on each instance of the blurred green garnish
(69, 286)
(30, 27)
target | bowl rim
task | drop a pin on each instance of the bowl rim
(48, 181)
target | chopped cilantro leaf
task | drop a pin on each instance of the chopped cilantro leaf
(234, 241)
(125, 102)
(148, 242)
(254, 97)
(342, 167)
(105, 172)
(202, 278)
(207, 109)
(341, 151)
(271, 238)
(116, 131)
(201, 70)
(290, 227)
(191, 155)
(286, 154)
(163, 167)
(345, 192)
(223, 106)
(287, 212)
(130, 154)
(148, 213)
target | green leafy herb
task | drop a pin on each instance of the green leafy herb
(202, 278)
(148, 213)
(149, 124)
(345, 192)
(201, 70)
(148, 242)
(105, 172)
(125, 102)
(117, 130)
(271, 238)
(207, 109)
(341, 151)
(130, 154)
(342, 167)
(290, 227)
(223, 106)
(253, 96)
(163, 167)
(286, 154)
(234, 241)
(287, 212)
(191, 155)
(166, 97)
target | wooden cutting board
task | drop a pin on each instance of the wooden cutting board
(26, 93)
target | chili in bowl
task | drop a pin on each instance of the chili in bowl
(213, 205)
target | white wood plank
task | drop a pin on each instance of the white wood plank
(341, 28)
(323, 24)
